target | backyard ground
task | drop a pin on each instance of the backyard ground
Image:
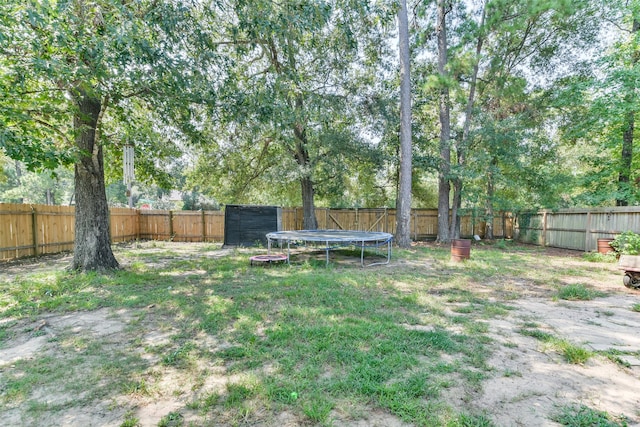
(190, 334)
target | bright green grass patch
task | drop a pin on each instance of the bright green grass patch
(572, 353)
(635, 307)
(598, 257)
(578, 292)
(468, 420)
(130, 420)
(172, 419)
(583, 416)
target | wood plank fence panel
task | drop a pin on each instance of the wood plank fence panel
(373, 220)
(214, 226)
(566, 230)
(16, 231)
(289, 219)
(125, 224)
(424, 224)
(187, 226)
(607, 223)
(55, 227)
(575, 228)
(155, 224)
(27, 230)
(529, 228)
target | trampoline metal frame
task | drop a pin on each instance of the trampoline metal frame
(363, 239)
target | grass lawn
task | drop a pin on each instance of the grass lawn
(190, 334)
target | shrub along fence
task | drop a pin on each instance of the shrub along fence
(32, 230)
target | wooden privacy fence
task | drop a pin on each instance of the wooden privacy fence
(424, 222)
(32, 230)
(577, 229)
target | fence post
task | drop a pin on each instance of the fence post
(544, 228)
(204, 228)
(138, 223)
(109, 225)
(587, 233)
(327, 214)
(34, 228)
(357, 222)
(386, 220)
(170, 226)
(415, 225)
(504, 225)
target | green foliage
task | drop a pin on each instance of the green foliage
(110, 51)
(289, 106)
(627, 243)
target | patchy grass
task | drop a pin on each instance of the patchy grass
(578, 292)
(572, 353)
(243, 344)
(583, 416)
(610, 257)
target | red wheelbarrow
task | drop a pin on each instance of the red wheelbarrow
(631, 266)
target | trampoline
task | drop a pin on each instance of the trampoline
(334, 239)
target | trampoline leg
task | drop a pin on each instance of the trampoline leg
(327, 251)
(362, 254)
(288, 252)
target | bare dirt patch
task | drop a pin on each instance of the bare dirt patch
(529, 381)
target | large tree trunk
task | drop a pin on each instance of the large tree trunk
(309, 221)
(92, 249)
(461, 146)
(444, 187)
(403, 218)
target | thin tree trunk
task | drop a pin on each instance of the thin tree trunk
(624, 175)
(461, 146)
(488, 231)
(19, 178)
(444, 187)
(92, 249)
(403, 218)
(49, 197)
